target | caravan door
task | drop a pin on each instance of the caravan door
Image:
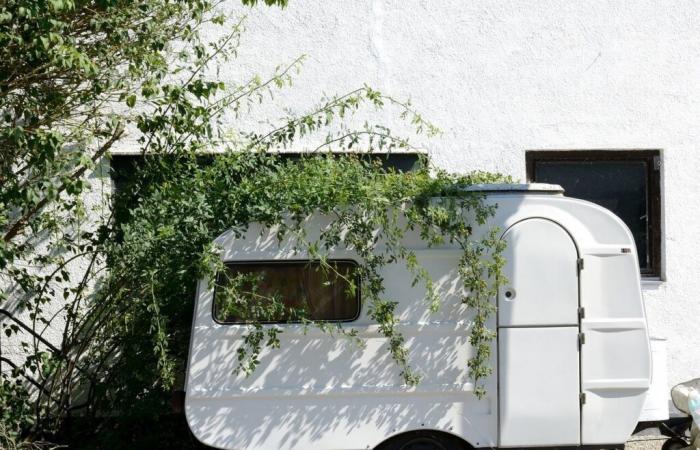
(538, 329)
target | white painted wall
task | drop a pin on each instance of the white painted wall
(96, 203)
(502, 77)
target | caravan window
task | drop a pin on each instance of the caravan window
(287, 291)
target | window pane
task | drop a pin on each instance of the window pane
(287, 292)
(620, 186)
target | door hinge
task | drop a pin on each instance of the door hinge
(582, 398)
(581, 340)
(579, 264)
(657, 163)
(581, 312)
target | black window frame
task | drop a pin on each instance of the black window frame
(652, 160)
(358, 290)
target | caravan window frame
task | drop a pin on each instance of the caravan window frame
(358, 292)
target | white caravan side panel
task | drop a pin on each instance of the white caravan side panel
(538, 386)
(320, 391)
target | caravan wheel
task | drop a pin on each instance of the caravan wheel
(424, 440)
(674, 444)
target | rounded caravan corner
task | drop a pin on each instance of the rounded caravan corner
(603, 225)
(196, 431)
(616, 364)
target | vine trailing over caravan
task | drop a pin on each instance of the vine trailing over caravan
(369, 212)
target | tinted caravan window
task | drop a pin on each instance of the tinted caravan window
(287, 291)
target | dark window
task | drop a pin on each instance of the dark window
(124, 171)
(288, 291)
(124, 166)
(625, 182)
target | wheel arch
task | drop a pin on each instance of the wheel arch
(395, 441)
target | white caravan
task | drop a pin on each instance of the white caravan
(571, 364)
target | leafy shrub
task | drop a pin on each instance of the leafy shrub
(15, 411)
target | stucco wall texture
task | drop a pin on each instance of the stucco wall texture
(500, 78)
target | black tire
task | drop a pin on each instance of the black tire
(424, 440)
(674, 444)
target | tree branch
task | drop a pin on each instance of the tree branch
(27, 216)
